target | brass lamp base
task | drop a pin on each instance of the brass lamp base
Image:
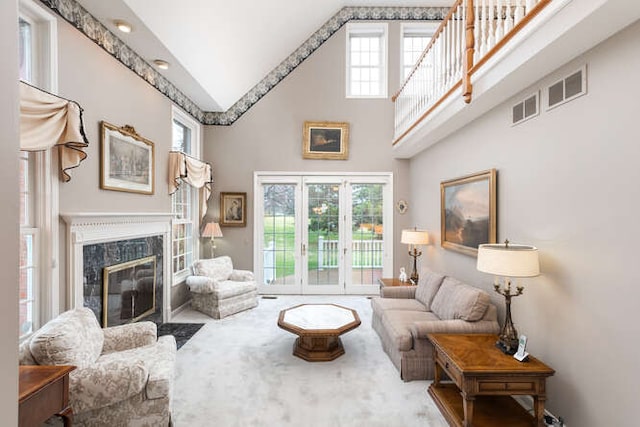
(414, 274)
(508, 338)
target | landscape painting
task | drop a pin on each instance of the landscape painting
(468, 212)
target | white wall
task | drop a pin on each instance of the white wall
(567, 183)
(269, 138)
(9, 220)
(109, 91)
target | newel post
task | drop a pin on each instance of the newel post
(470, 43)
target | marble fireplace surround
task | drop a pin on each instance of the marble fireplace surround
(93, 228)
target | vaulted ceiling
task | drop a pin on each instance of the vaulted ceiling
(219, 49)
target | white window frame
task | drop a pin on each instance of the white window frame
(427, 29)
(370, 28)
(196, 148)
(45, 75)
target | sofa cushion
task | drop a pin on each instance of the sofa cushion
(378, 305)
(229, 289)
(398, 324)
(219, 268)
(428, 286)
(73, 338)
(456, 300)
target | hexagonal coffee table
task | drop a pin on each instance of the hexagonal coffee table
(318, 327)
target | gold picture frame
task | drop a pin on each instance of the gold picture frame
(468, 212)
(325, 140)
(233, 209)
(126, 160)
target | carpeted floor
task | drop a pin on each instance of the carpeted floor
(181, 331)
(240, 371)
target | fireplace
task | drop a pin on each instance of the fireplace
(119, 266)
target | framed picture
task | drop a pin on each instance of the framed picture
(126, 160)
(468, 212)
(233, 209)
(325, 140)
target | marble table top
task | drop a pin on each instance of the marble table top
(319, 316)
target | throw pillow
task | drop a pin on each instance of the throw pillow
(219, 268)
(456, 300)
(73, 338)
(428, 285)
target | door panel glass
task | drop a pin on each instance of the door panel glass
(279, 236)
(323, 258)
(367, 231)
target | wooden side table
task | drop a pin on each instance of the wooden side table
(486, 379)
(44, 392)
(392, 282)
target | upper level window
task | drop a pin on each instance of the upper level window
(415, 39)
(38, 283)
(184, 202)
(367, 60)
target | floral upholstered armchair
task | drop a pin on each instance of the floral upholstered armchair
(124, 374)
(218, 290)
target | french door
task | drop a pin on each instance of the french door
(322, 234)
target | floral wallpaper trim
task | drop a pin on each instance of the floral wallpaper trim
(80, 18)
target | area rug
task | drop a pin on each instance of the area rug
(240, 371)
(181, 331)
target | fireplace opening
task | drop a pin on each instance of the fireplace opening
(129, 291)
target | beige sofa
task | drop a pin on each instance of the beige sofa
(404, 315)
(124, 374)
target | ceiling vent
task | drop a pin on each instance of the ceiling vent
(568, 88)
(525, 110)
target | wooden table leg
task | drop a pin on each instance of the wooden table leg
(436, 375)
(538, 409)
(467, 404)
(67, 416)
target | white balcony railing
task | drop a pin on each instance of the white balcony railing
(471, 33)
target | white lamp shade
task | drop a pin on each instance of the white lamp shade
(415, 237)
(508, 261)
(212, 229)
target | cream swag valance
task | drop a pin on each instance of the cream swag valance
(198, 174)
(47, 120)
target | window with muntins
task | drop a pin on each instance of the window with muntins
(38, 294)
(367, 60)
(184, 202)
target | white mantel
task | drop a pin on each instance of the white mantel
(85, 228)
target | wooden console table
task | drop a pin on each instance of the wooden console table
(484, 379)
(44, 392)
(384, 282)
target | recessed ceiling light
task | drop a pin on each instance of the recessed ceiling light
(123, 26)
(162, 64)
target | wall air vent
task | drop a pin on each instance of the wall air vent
(525, 110)
(568, 88)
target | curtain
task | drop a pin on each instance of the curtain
(198, 174)
(46, 121)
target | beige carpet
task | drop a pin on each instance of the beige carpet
(240, 371)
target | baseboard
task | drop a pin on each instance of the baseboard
(527, 403)
(180, 309)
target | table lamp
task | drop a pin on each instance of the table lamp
(212, 230)
(508, 261)
(414, 238)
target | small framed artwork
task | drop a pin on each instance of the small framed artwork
(468, 212)
(233, 209)
(325, 140)
(126, 160)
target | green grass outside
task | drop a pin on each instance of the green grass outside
(281, 230)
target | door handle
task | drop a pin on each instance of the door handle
(304, 249)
